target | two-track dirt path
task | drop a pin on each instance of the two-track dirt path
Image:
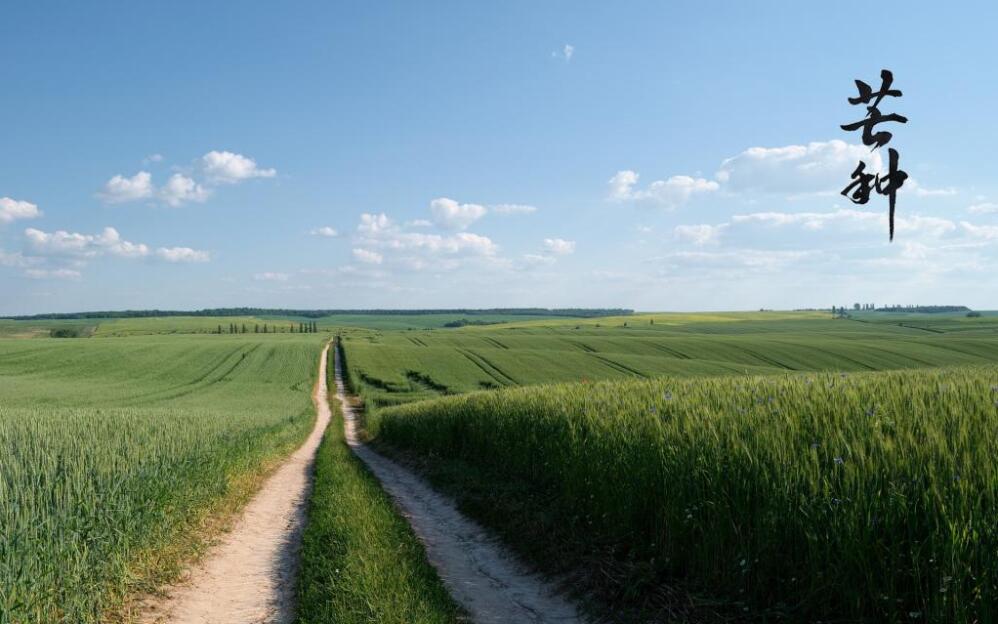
(481, 576)
(249, 577)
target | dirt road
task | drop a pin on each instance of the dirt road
(248, 578)
(480, 575)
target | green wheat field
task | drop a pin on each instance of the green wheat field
(714, 467)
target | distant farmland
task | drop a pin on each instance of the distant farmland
(390, 368)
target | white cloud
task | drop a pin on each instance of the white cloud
(452, 215)
(152, 158)
(818, 167)
(15, 260)
(809, 220)
(182, 254)
(559, 246)
(462, 242)
(372, 225)
(229, 168)
(932, 226)
(622, 183)
(511, 209)
(911, 185)
(983, 208)
(419, 223)
(380, 231)
(12, 209)
(669, 193)
(753, 259)
(180, 189)
(120, 189)
(703, 234)
(63, 274)
(109, 242)
(381, 240)
(112, 242)
(987, 232)
(325, 230)
(63, 243)
(368, 257)
(271, 276)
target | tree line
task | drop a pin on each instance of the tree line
(223, 312)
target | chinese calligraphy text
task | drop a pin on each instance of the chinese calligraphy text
(864, 183)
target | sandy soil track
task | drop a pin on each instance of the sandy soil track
(480, 575)
(249, 577)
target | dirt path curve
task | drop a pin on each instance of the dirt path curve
(476, 570)
(248, 578)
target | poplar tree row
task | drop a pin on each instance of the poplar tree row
(301, 328)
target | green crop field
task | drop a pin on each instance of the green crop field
(870, 496)
(389, 368)
(117, 450)
(752, 460)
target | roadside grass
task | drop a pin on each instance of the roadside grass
(360, 561)
(804, 497)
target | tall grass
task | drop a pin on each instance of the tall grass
(842, 497)
(115, 451)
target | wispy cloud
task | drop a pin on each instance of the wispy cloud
(559, 246)
(367, 256)
(325, 231)
(702, 234)
(182, 254)
(271, 276)
(513, 209)
(566, 53)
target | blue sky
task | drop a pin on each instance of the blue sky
(660, 156)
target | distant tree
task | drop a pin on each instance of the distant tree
(855, 306)
(256, 328)
(220, 329)
(244, 328)
(265, 328)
